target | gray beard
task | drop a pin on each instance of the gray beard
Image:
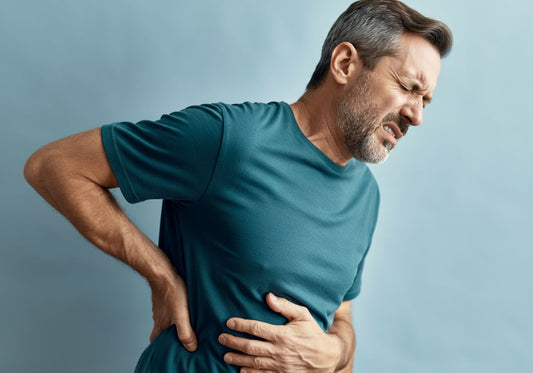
(358, 122)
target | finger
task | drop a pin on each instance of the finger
(253, 327)
(186, 334)
(291, 311)
(248, 346)
(250, 363)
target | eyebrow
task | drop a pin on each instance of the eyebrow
(419, 83)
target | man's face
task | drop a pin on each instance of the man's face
(384, 102)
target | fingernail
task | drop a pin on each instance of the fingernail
(227, 358)
(273, 298)
(190, 346)
(221, 339)
(231, 324)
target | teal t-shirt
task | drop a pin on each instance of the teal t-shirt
(250, 206)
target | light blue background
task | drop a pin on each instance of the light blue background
(448, 283)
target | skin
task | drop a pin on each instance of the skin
(298, 346)
(400, 87)
(73, 175)
(394, 94)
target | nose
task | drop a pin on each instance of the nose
(412, 112)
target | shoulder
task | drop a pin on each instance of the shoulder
(205, 112)
(254, 109)
(253, 122)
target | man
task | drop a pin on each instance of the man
(268, 209)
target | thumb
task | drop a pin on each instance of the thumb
(291, 311)
(186, 334)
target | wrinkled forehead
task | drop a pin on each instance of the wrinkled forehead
(419, 59)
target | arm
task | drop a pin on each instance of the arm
(343, 329)
(73, 175)
(298, 345)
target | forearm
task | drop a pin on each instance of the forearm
(348, 368)
(93, 211)
(74, 175)
(343, 330)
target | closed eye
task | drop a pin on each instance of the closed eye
(417, 90)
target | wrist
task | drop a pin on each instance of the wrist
(334, 353)
(337, 351)
(162, 276)
(154, 265)
(162, 279)
(340, 350)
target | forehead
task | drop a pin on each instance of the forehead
(416, 58)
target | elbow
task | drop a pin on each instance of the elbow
(34, 168)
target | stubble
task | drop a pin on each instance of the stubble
(358, 120)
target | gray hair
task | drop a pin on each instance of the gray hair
(374, 27)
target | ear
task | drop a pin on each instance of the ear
(345, 63)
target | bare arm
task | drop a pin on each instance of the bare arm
(342, 328)
(73, 175)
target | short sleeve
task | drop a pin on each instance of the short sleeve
(356, 287)
(354, 291)
(171, 158)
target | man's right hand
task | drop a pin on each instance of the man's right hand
(170, 307)
(73, 174)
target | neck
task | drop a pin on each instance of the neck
(315, 113)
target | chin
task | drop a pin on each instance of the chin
(379, 160)
(371, 152)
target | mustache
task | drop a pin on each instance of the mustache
(399, 120)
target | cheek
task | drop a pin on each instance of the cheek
(386, 101)
(391, 105)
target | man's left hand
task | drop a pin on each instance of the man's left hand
(298, 346)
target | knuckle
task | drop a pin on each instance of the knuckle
(303, 310)
(249, 349)
(257, 363)
(285, 339)
(186, 340)
(256, 329)
(185, 337)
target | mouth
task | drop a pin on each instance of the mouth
(393, 130)
(392, 133)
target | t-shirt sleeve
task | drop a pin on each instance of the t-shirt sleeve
(356, 287)
(354, 291)
(171, 158)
